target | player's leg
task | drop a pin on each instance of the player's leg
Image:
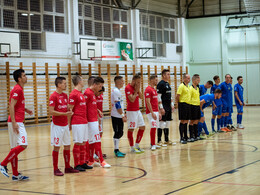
(240, 116)
(153, 124)
(118, 127)
(213, 119)
(18, 144)
(162, 125)
(84, 150)
(167, 127)
(140, 133)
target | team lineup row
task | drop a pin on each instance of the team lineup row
(82, 113)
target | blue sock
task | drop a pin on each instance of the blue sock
(218, 124)
(199, 128)
(238, 119)
(213, 124)
(205, 128)
(222, 122)
(225, 121)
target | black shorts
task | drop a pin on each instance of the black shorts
(195, 112)
(184, 111)
(167, 116)
(118, 124)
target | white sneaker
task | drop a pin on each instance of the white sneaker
(157, 147)
(104, 164)
(153, 148)
(95, 157)
(134, 150)
(162, 144)
(141, 150)
(241, 126)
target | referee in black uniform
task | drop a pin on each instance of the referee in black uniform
(166, 107)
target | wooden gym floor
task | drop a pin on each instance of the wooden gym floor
(228, 163)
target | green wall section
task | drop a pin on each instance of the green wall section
(213, 50)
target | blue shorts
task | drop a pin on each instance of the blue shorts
(239, 108)
(217, 111)
(226, 108)
(201, 114)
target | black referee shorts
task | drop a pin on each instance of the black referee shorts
(167, 116)
(184, 111)
(195, 112)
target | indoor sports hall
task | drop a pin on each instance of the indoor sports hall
(50, 39)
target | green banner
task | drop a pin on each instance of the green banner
(126, 51)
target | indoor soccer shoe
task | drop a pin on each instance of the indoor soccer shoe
(119, 155)
(104, 164)
(157, 146)
(85, 166)
(58, 173)
(233, 128)
(71, 170)
(153, 148)
(79, 168)
(134, 150)
(122, 153)
(183, 142)
(240, 126)
(138, 148)
(4, 170)
(162, 144)
(94, 164)
(20, 177)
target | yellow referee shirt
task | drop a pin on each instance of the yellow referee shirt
(194, 96)
(184, 92)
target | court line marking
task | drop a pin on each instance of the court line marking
(207, 180)
(32, 192)
(135, 178)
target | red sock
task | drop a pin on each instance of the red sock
(14, 164)
(91, 152)
(76, 154)
(12, 154)
(99, 151)
(87, 152)
(152, 135)
(130, 138)
(55, 157)
(139, 136)
(66, 155)
(82, 154)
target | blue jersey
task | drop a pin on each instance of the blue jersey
(230, 96)
(213, 88)
(226, 92)
(203, 90)
(240, 91)
(208, 98)
(218, 102)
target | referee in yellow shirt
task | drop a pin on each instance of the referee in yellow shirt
(184, 107)
(195, 108)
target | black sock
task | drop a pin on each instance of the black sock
(195, 130)
(166, 134)
(116, 150)
(181, 131)
(159, 134)
(191, 131)
(185, 131)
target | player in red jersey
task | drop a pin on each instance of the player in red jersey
(60, 134)
(79, 123)
(134, 115)
(16, 129)
(152, 109)
(100, 99)
(93, 127)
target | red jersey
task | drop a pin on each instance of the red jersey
(19, 108)
(60, 104)
(152, 94)
(79, 110)
(100, 102)
(91, 103)
(131, 106)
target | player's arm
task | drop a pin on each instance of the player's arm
(30, 112)
(149, 106)
(236, 95)
(159, 97)
(12, 115)
(100, 114)
(202, 102)
(56, 113)
(140, 94)
(132, 97)
(214, 105)
(70, 107)
(172, 104)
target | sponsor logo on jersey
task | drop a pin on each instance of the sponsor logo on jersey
(51, 102)
(15, 95)
(82, 103)
(62, 106)
(60, 101)
(71, 100)
(81, 97)
(65, 100)
(128, 92)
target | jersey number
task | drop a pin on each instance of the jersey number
(154, 124)
(56, 140)
(97, 137)
(23, 139)
(132, 124)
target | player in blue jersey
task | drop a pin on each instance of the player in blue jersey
(218, 110)
(239, 100)
(230, 121)
(204, 88)
(205, 101)
(226, 89)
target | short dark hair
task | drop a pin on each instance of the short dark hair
(239, 77)
(164, 71)
(152, 77)
(217, 91)
(215, 77)
(227, 75)
(98, 80)
(210, 82)
(103, 89)
(91, 80)
(195, 76)
(117, 78)
(18, 74)
(137, 76)
(76, 79)
(59, 80)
